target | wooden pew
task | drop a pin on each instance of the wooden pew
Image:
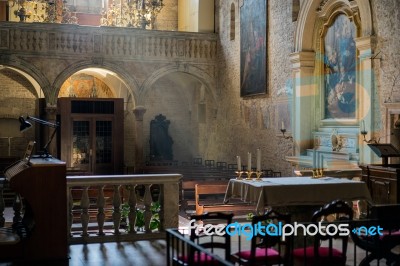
(216, 204)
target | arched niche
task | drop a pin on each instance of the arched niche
(308, 123)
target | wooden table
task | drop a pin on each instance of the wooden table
(296, 191)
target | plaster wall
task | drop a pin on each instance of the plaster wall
(245, 124)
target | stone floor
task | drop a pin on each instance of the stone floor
(143, 253)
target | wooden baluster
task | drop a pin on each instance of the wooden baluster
(70, 210)
(117, 209)
(100, 206)
(147, 208)
(132, 208)
(85, 211)
(17, 207)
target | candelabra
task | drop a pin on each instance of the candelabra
(239, 175)
(249, 174)
(131, 13)
(51, 11)
(317, 172)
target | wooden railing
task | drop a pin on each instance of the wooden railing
(95, 215)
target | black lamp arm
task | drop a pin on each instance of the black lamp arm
(43, 122)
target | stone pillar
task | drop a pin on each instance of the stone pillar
(304, 93)
(366, 94)
(139, 145)
(51, 113)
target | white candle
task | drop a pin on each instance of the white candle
(258, 160)
(314, 159)
(283, 125)
(362, 126)
(248, 161)
(102, 4)
(239, 163)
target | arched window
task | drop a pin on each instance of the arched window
(232, 31)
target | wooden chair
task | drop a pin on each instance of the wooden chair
(209, 163)
(319, 253)
(222, 166)
(378, 247)
(208, 242)
(267, 249)
(197, 161)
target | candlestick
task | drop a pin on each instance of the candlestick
(239, 163)
(362, 126)
(282, 125)
(258, 160)
(249, 161)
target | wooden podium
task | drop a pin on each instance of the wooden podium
(382, 179)
(41, 182)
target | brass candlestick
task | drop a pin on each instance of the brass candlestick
(249, 173)
(317, 172)
(258, 175)
(239, 175)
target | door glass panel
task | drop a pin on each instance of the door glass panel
(80, 143)
(103, 141)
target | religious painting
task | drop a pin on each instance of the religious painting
(340, 69)
(253, 43)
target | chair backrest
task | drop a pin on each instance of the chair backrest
(335, 212)
(272, 220)
(213, 241)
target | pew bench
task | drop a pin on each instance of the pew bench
(203, 193)
(188, 191)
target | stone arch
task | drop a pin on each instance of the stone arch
(197, 73)
(308, 16)
(32, 73)
(130, 81)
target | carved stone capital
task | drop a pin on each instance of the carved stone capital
(139, 112)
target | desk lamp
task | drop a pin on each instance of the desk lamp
(25, 125)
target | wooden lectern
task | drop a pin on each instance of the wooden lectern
(382, 179)
(41, 182)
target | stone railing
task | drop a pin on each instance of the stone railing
(61, 40)
(98, 204)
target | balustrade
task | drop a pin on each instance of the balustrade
(92, 202)
(72, 40)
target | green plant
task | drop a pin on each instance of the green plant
(140, 221)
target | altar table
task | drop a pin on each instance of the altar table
(296, 191)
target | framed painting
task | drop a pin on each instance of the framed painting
(253, 43)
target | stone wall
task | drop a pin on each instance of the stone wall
(387, 61)
(245, 124)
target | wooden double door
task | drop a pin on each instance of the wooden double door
(92, 135)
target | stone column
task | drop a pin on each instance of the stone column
(139, 145)
(304, 94)
(51, 113)
(366, 93)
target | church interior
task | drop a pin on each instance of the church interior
(133, 109)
